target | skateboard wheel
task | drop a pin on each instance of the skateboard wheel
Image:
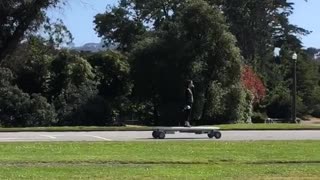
(210, 135)
(217, 135)
(161, 135)
(155, 134)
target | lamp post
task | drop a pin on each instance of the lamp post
(294, 91)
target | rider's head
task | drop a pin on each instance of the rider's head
(189, 84)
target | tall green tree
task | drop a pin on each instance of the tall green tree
(195, 45)
(73, 90)
(120, 27)
(259, 26)
(66, 69)
(19, 17)
(113, 72)
(30, 63)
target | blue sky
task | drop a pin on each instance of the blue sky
(78, 15)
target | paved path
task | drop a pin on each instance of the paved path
(146, 136)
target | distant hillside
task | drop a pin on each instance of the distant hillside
(92, 47)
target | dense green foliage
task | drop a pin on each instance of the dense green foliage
(225, 47)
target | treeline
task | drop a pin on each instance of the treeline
(225, 47)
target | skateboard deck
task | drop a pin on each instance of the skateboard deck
(160, 132)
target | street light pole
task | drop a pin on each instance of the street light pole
(294, 92)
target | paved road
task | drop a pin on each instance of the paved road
(146, 136)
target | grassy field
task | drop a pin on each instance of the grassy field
(145, 128)
(161, 160)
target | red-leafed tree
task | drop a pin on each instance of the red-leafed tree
(252, 82)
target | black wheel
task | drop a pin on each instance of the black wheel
(211, 135)
(217, 135)
(155, 134)
(161, 135)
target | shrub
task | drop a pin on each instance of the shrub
(19, 109)
(258, 117)
(316, 111)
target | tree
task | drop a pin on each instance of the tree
(195, 45)
(19, 109)
(66, 69)
(113, 73)
(73, 105)
(253, 83)
(261, 25)
(19, 17)
(118, 26)
(308, 83)
(71, 88)
(30, 63)
(114, 82)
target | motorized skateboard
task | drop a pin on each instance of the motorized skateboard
(160, 132)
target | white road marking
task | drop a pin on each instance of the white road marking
(51, 137)
(98, 137)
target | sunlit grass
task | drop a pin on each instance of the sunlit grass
(160, 160)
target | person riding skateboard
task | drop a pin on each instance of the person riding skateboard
(188, 103)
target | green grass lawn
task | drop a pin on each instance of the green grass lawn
(161, 160)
